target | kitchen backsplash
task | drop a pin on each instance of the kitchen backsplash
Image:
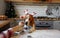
(40, 10)
(2, 7)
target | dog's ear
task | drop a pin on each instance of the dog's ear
(31, 18)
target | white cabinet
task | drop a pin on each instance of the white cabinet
(56, 25)
(59, 11)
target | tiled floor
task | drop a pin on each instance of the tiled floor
(41, 34)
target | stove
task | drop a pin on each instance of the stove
(44, 24)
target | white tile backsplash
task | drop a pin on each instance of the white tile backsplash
(2, 7)
(40, 10)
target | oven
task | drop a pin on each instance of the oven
(44, 24)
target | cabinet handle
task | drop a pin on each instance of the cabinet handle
(39, 23)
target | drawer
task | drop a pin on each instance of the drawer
(40, 24)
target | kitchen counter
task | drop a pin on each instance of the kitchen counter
(3, 23)
(17, 28)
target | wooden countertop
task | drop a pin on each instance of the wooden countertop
(17, 28)
(3, 23)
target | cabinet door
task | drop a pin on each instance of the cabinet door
(59, 11)
(48, 24)
(57, 25)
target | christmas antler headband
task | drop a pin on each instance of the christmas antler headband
(26, 11)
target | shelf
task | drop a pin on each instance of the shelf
(37, 1)
(43, 19)
(55, 1)
(48, 19)
(28, 1)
